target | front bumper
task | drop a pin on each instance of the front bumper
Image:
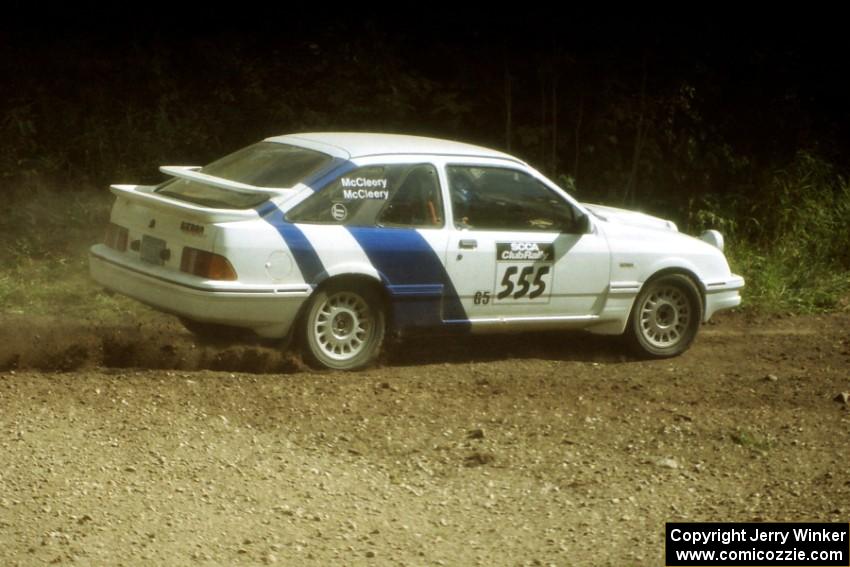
(268, 311)
(722, 295)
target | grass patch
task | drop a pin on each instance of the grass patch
(777, 282)
(44, 240)
(788, 236)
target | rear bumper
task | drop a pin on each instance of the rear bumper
(722, 295)
(269, 311)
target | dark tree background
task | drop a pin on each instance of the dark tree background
(635, 111)
(713, 118)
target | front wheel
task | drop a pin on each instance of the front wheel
(344, 327)
(665, 317)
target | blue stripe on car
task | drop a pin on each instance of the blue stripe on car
(302, 250)
(421, 290)
(266, 208)
(414, 275)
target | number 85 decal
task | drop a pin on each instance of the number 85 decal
(524, 282)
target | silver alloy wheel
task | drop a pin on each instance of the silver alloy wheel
(665, 316)
(342, 326)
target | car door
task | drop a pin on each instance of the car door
(519, 251)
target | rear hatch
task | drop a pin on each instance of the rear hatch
(176, 224)
(157, 229)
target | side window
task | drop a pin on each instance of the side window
(389, 195)
(496, 198)
(417, 201)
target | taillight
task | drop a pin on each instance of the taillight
(116, 237)
(206, 265)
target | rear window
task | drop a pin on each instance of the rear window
(266, 164)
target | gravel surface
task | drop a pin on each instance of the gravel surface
(139, 446)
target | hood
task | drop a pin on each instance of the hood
(630, 218)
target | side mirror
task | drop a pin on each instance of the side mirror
(580, 225)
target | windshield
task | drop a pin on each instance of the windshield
(266, 164)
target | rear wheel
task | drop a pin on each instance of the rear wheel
(665, 317)
(344, 327)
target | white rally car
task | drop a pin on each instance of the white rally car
(341, 238)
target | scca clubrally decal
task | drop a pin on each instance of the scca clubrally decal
(524, 252)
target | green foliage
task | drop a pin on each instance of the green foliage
(777, 283)
(788, 236)
(44, 239)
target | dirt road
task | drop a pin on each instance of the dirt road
(138, 446)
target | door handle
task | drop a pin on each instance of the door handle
(468, 244)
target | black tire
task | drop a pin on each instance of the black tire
(212, 331)
(665, 317)
(344, 327)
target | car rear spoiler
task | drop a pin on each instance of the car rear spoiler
(191, 173)
(145, 194)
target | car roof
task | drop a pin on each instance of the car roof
(348, 145)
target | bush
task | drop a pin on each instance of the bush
(788, 235)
